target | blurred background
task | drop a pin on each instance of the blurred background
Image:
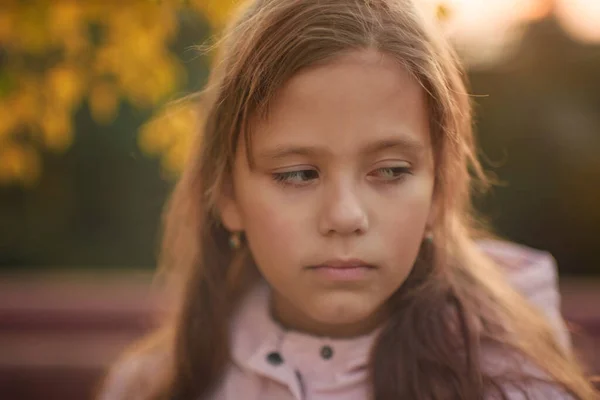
(93, 135)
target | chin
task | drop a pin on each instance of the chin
(343, 310)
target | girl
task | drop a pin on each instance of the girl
(321, 239)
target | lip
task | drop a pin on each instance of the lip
(344, 264)
(343, 270)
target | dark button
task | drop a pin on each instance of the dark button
(274, 358)
(326, 352)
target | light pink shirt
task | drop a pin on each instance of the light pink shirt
(271, 363)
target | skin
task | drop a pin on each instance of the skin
(343, 169)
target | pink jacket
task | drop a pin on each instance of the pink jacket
(270, 363)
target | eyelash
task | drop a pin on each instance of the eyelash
(397, 172)
(286, 178)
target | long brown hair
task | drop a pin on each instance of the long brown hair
(455, 301)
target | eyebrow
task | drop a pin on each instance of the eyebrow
(405, 143)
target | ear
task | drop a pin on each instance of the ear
(229, 209)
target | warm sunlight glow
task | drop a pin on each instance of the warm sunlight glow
(536, 10)
(580, 18)
(486, 31)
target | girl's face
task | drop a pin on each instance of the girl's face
(336, 206)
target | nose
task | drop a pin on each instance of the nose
(343, 212)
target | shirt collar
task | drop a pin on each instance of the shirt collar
(255, 335)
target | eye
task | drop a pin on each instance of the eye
(389, 174)
(296, 178)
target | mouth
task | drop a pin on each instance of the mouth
(343, 270)
(343, 264)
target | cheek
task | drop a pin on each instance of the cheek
(274, 228)
(411, 201)
(403, 223)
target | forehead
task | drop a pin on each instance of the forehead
(357, 98)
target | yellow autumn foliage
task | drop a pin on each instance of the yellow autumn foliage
(169, 134)
(19, 162)
(52, 63)
(217, 11)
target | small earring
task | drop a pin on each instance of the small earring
(428, 237)
(234, 240)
